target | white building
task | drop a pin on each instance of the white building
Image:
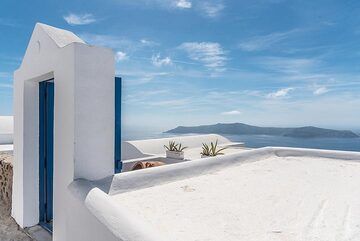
(64, 124)
(83, 83)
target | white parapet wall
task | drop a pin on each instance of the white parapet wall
(83, 120)
(145, 148)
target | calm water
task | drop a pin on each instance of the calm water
(345, 144)
(6, 139)
(351, 144)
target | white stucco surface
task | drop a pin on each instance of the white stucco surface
(151, 147)
(154, 150)
(83, 121)
(264, 194)
(6, 147)
(276, 198)
(60, 36)
(6, 124)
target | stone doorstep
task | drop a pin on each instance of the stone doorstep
(37, 233)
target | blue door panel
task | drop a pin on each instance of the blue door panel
(46, 127)
(50, 150)
(118, 87)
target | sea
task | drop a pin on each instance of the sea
(252, 141)
(6, 139)
(256, 141)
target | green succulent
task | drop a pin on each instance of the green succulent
(181, 148)
(212, 149)
(173, 146)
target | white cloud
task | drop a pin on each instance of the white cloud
(6, 86)
(169, 103)
(147, 42)
(139, 77)
(205, 8)
(211, 9)
(79, 19)
(233, 112)
(320, 90)
(158, 61)
(121, 56)
(282, 93)
(263, 42)
(5, 75)
(111, 41)
(8, 23)
(289, 65)
(183, 4)
(210, 54)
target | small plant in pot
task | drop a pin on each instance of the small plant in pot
(211, 150)
(175, 150)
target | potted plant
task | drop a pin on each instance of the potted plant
(211, 150)
(175, 150)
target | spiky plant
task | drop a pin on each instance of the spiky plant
(173, 146)
(212, 149)
(205, 150)
(181, 148)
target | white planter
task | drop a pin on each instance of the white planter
(175, 155)
(204, 156)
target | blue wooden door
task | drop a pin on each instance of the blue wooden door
(46, 130)
(118, 163)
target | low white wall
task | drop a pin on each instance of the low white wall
(134, 180)
(6, 124)
(6, 148)
(144, 148)
(149, 177)
(81, 224)
(91, 219)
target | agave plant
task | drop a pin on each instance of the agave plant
(212, 149)
(180, 148)
(173, 146)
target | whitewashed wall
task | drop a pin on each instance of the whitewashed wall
(83, 120)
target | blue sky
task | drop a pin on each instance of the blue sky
(189, 62)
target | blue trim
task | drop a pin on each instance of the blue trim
(118, 87)
(46, 127)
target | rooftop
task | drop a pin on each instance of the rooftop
(263, 194)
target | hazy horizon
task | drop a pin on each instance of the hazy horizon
(163, 129)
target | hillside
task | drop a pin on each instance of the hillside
(244, 129)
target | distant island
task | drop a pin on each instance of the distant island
(244, 129)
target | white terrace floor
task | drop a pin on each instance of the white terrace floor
(267, 194)
(277, 198)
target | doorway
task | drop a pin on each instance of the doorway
(118, 87)
(46, 145)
